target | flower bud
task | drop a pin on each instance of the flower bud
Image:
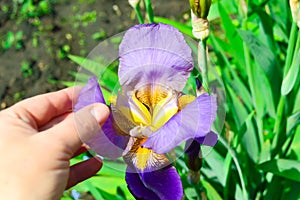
(193, 177)
(193, 160)
(295, 8)
(243, 8)
(200, 7)
(133, 3)
(200, 27)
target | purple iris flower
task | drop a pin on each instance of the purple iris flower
(151, 116)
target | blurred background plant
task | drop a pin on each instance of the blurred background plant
(253, 45)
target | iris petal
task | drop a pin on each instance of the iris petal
(154, 53)
(209, 140)
(89, 94)
(193, 121)
(163, 184)
(107, 142)
(137, 187)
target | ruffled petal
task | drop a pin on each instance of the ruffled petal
(107, 142)
(163, 184)
(193, 121)
(154, 53)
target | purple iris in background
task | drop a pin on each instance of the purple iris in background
(151, 116)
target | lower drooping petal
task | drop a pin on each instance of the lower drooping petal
(107, 142)
(154, 53)
(137, 187)
(163, 184)
(194, 121)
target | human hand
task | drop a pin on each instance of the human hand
(38, 137)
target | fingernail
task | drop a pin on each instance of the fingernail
(96, 113)
(99, 113)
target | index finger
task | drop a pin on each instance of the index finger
(39, 110)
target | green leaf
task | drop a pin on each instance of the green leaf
(216, 163)
(181, 27)
(238, 192)
(249, 139)
(88, 64)
(96, 194)
(265, 60)
(190, 193)
(9, 40)
(296, 143)
(265, 153)
(289, 169)
(108, 79)
(233, 37)
(235, 81)
(291, 77)
(210, 190)
(262, 55)
(293, 121)
(107, 195)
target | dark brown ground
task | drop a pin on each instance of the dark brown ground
(57, 29)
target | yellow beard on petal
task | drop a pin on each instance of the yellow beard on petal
(184, 100)
(142, 157)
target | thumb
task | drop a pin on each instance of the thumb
(80, 126)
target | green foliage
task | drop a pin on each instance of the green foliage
(27, 9)
(85, 19)
(12, 39)
(255, 50)
(26, 69)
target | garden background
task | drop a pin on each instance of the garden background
(253, 46)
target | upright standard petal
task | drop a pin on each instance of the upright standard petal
(163, 184)
(154, 53)
(107, 142)
(193, 121)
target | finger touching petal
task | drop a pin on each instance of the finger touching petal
(106, 142)
(89, 94)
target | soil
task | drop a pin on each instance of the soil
(62, 31)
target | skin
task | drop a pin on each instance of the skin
(38, 137)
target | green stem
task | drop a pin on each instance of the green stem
(139, 14)
(297, 48)
(238, 167)
(291, 53)
(291, 48)
(149, 10)
(202, 61)
(278, 125)
(248, 64)
(288, 147)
